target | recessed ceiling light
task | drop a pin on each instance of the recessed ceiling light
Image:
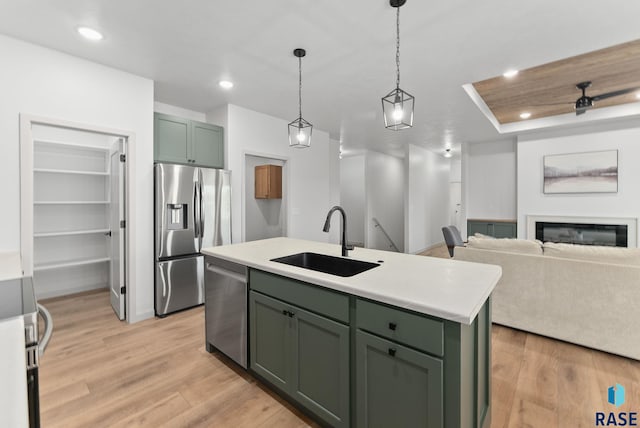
(525, 115)
(90, 34)
(225, 84)
(510, 73)
(447, 153)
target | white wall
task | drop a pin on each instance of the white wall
(220, 117)
(309, 179)
(624, 203)
(490, 180)
(427, 198)
(44, 82)
(179, 111)
(264, 218)
(352, 195)
(384, 177)
(455, 172)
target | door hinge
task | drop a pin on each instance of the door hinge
(123, 158)
(123, 224)
(123, 290)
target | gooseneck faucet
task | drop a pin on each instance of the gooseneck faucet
(327, 225)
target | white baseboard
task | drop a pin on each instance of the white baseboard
(47, 294)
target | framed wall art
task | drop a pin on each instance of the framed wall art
(591, 172)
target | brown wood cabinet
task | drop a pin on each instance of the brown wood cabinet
(268, 182)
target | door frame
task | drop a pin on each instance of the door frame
(26, 194)
(285, 190)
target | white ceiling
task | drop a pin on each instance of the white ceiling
(187, 47)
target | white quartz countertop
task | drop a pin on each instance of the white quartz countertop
(448, 289)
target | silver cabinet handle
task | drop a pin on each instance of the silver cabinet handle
(225, 272)
(48, 329)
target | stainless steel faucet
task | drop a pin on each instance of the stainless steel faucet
(327, 225)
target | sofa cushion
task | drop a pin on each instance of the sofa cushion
(509, 245)
(483, 236)
(594, 253)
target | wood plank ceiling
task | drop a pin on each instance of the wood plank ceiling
(550, 89)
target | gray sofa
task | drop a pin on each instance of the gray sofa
(585, 295)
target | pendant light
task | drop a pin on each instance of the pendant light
(300, 130)
(397, 105)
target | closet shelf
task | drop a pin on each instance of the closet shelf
(69, 171)
(71, 202)
(69, 144)
(69, 263)
(69, 233)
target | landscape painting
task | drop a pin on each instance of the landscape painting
(592, 172)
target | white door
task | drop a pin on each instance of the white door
(117, 225)
(455, 198)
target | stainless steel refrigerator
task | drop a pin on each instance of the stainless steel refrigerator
(192, 211)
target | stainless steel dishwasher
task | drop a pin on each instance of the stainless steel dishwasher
(226, 308)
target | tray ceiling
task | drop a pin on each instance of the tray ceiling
(550, 89)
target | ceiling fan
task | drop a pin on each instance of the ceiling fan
(585, 102)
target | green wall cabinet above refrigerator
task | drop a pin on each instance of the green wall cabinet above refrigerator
(188, 142)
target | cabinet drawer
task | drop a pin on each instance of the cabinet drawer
(328, 303)
(410, 329)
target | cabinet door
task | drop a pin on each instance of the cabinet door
(171, 136)
(477, 227)
(504, 230)
(320, 378)
(270, 339)
(261, 181)
(207, 145)
(396, 386)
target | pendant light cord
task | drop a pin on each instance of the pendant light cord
(398, 47)
(300, 87)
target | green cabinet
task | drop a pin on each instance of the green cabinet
(396, 385)
(189, 142)
(497, 229)
(303, 354)
(352, 361)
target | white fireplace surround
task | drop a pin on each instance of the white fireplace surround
(631, 224)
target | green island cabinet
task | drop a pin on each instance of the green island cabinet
(350, 361)
(495, 228)
(188, 142)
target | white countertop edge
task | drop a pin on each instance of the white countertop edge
(325, 280)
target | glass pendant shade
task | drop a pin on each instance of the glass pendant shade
(300, 130)
(300, 133)
(397, 105)
(397, 108)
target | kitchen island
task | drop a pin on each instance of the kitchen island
(406, 343)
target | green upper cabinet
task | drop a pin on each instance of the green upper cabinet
(172, 137)
(179, 140)
(207, 145)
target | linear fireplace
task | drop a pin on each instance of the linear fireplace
(606, 231)
(611, 235)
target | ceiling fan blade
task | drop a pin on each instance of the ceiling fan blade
(614, 94)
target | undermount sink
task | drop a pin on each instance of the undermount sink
(327, 264)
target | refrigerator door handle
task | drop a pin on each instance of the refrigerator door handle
(196, 209)
(201, 209)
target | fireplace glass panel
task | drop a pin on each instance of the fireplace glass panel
(612, 235)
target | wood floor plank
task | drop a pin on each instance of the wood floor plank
(99, 371)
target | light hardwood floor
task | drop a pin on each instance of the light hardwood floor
(101, 372)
